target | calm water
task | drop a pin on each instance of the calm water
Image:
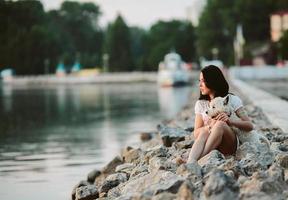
(51, 137)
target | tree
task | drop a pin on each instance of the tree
(164, 37)
(216, 29)
(118, 46)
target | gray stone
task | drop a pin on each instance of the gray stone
(211, 161)
(81, 183)
(190, 170)
(171, 134)
(126, 167)
(112, 181)
(164, 196)
(145, 136)
(132, 156)
(185, 191)
(220, 186)
(88, 192)
(111, 166)
(153, 183)
(92, 175)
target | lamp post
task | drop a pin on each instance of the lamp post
(215, 52)
(105, 58)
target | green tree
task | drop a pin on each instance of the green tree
(82, 36)
(164, 37)
(118, 46)
(283, 46)
(22, 23)
(216, 29)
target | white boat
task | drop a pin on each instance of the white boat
(172, 71)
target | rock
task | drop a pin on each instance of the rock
(126, 167)
(153, 183)
(138, 170)
(145, 136)
(170, 134)
(190, 170)
(157, 151)
(211, 160)
(112, 181)
(88, 192)
(185, 191)
(164, 196)
(107, 170)
(271, 182)
(132, 156)
(93, 175)
(186, 144)
(250, 165)
(232, 165)
(80, 184)
(219, 186)
(111, 166)
(156, 163)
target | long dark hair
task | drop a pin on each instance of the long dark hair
(214, 80)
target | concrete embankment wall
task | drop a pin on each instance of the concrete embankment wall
(274, 108)
(101, 78)
(265, 72)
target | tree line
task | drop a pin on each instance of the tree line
(34, 41)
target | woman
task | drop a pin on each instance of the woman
(216, 133)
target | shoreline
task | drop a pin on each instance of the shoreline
(152, 172)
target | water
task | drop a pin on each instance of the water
(52, 136)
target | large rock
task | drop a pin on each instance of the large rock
(211, 160)
(112, 181)
(219, 186)
(185, 191)
(126, 167)
(132, 155)
(171, 134)
(93, 175)
(88, 192)
(107, 170)
(80, 184)
(153, 183)
(270, 182)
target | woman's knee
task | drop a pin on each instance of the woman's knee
(220, 125)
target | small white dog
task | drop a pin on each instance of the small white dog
(221, 104)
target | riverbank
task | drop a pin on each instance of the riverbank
(72, 79)
(152, 172)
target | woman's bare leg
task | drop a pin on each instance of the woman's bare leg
(222, 138)
(198, 146)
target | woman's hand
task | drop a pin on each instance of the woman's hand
(222, 117)
(211, 122)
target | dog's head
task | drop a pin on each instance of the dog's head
(218, 105)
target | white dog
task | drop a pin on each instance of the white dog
(220, 104)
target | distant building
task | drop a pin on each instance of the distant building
(279, 24)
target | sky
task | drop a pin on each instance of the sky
(141, 13)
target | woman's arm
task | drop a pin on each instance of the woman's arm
(198, 124)
(243, 124)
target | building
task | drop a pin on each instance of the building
(279, 24)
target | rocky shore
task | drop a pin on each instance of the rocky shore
(152, 172)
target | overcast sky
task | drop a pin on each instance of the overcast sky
(141, 13)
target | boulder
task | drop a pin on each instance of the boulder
(88, 192)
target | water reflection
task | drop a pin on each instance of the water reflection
(62, 132)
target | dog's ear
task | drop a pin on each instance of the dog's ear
(226, 100)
